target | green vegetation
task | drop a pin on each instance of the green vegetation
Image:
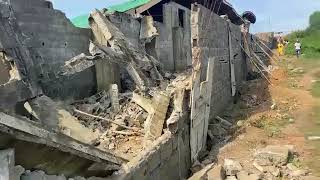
(309, 38)
(271, 126)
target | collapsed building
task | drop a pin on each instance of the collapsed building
(131, 97)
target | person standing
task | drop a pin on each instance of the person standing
(280, 48)
(297, 46)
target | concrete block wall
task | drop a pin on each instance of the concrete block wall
(49, 39)
(173, 44)
(49, 33)
(128, 25)
(239, 54)
(210, 34)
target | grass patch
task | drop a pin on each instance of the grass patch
(272, 127)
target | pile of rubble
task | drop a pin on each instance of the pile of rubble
(270, 163)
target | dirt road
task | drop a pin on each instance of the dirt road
(284, 113)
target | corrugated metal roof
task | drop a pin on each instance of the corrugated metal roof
(82, 21)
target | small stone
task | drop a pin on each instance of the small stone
(292, 167)
(240, 123)
(273, 106)
(231, 167)
(274, 171)
(291, 120)
(112, 146)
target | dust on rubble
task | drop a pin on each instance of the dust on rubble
(265, 140)
(123, 142)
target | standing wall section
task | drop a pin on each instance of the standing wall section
(51, 40)
(177, 37)
(210, 36)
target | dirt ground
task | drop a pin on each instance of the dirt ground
(283, 113)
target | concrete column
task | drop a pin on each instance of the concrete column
(6, 164)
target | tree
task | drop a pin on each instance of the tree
(315, 21)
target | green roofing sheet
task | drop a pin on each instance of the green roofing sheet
(82, 21)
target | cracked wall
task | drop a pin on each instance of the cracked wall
(46, 39)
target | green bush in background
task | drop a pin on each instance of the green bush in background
(309, 38)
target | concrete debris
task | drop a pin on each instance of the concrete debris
(231, 167)
(138, 64)
(148, 31)
(274, 169)
(114, 96)
(272, 155)
(156, 119)
(77, 64)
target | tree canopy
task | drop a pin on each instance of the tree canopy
(315, 21)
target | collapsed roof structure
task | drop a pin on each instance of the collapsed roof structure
(130, 97)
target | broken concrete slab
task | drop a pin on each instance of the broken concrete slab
(54, 118)
(30, 132)
(77, 64)
(272, 155)
(156, 119)
(145, 103)
(137, 62)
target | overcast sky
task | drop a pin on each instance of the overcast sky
(272, 15)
